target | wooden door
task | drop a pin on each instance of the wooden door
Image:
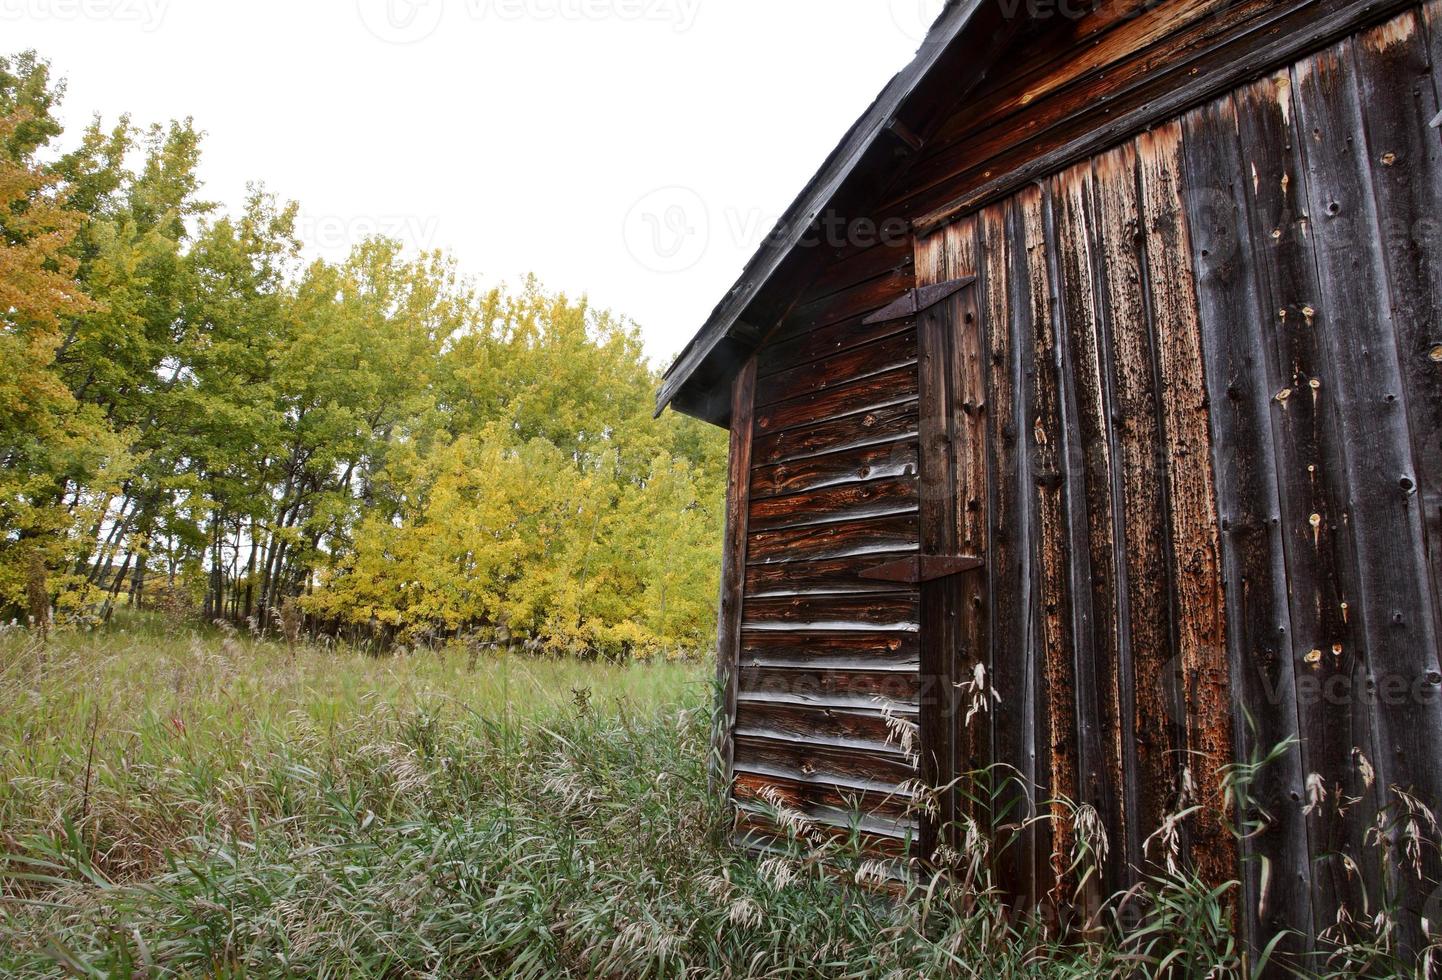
(957, 701)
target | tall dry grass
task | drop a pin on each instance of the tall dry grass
(186, 804)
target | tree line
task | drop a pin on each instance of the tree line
(194, 417)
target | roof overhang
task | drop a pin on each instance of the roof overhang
(696, 384)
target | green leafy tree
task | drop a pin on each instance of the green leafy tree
(184, 403)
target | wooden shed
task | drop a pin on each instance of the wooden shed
(1097, 376)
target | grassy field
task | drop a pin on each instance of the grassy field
(183, 804)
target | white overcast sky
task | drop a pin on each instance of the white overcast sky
(633, 150)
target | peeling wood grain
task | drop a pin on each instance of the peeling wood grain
(893, 460)
(1058, 735)
(865, 731)
(1201, 620)
(893, 610)
(835, 575)
(835, 505)
(1091, 502)
(1085, 121)
(831, 687)
(1150, 702)
(865, 538)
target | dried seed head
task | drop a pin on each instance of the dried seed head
(1369, 775)
(745, 912)
(796, 823)
(901, 732)
(777, 872)
(873, 873)
(1092, 832)
(1316, 791)
(1169, 836)
(978, 692)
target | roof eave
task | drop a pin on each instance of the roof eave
(819, 193)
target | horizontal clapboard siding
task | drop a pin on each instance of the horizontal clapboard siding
(894, 425)
(856, 398)
(829, 660)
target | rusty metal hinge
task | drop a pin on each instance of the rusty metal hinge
(919, 300)
(923, 568)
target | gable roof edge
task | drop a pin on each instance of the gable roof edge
(813, 200)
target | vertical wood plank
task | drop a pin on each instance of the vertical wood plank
(1429, 238)
(1404, 159)
(1312, 485)
(939, 599)
(1009, 572)
(1197, 574)
(948, 255)
(1150, 704)
(1432, 22)
(1091, 472)
(1058, 735)
(1383, 515)
(733, 573)
(970, 409)
(1394, 65)
(1276, 884)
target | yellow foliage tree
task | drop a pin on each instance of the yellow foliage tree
(46, 438)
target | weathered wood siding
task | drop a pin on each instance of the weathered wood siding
(1190, 413)
(829, 690)
(1211, 484)
(1085, 75)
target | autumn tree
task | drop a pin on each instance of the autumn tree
(189, 407)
